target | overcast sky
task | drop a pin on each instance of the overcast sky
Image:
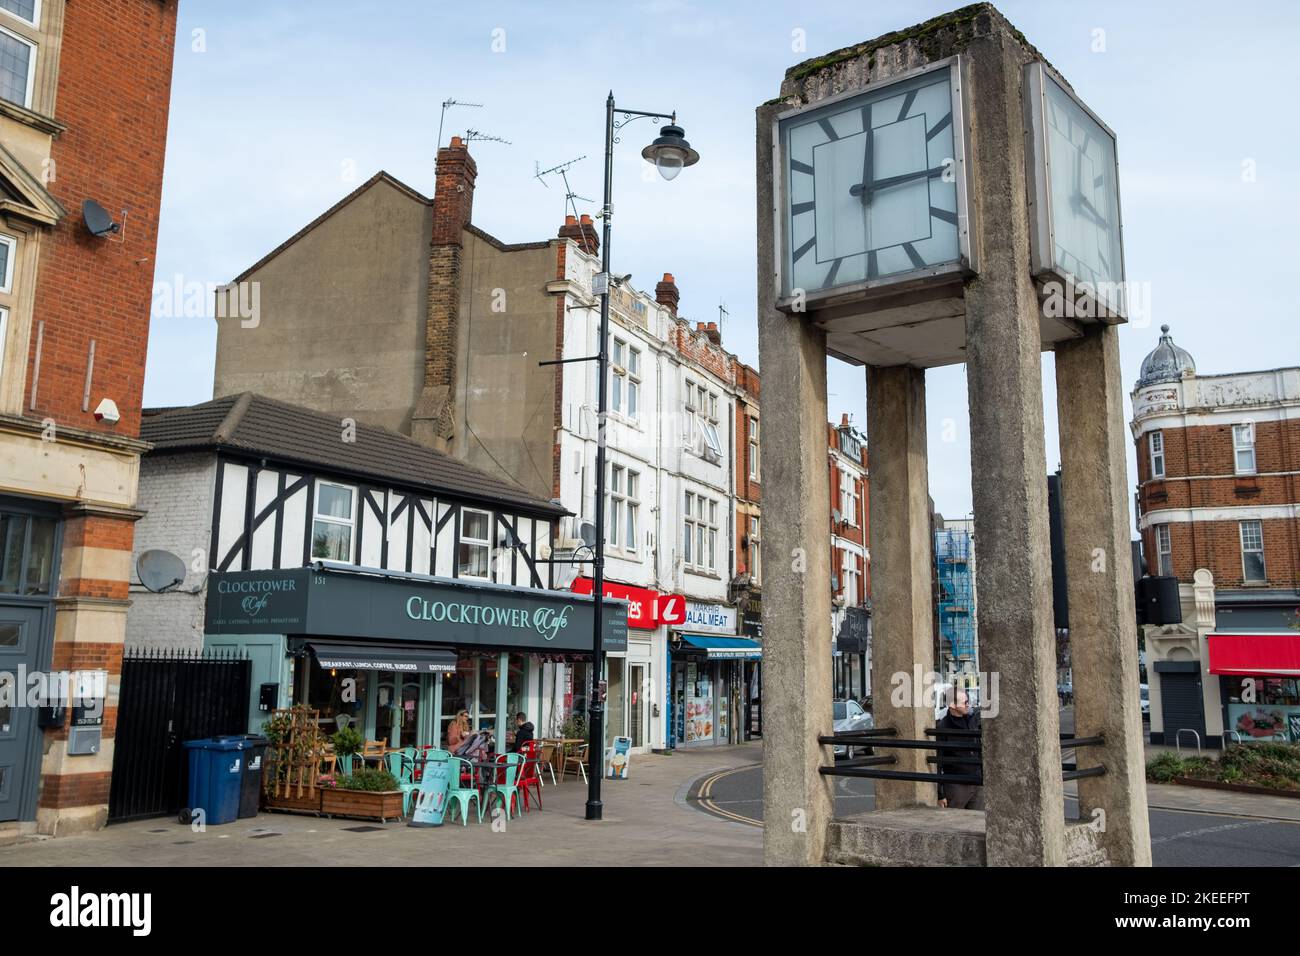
(281, 108)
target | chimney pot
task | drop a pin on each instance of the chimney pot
(582, 232)
(844, 420)
(667, 295)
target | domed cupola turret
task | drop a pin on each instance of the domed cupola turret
(1166, 363)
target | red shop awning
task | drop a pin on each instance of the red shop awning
(1245, 653)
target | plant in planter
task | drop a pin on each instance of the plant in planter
(369, 780)
(368, 794)
(347, 741)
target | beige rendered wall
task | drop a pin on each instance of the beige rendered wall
(505, 402)
(340, 324)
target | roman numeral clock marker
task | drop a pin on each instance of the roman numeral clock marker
(870, 190)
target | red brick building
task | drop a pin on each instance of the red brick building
(749, 478)
(850, 558)
(1218, 504)
(85, 89)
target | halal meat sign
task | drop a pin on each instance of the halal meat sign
(646, 609)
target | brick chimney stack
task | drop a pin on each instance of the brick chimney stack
(583, 232)
(844, 420)
(432, 422)
(715, 336)
(453, 194)
(666, 294)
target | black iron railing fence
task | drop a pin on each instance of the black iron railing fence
(169, 696)
(955, 750)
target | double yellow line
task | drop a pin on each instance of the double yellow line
(705, 798)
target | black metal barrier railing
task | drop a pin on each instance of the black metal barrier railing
(961, 756)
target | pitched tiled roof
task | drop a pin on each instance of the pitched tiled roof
(257, 425)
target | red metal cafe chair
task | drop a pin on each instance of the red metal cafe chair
(529, 775)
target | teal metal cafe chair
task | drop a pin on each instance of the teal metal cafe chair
(401, 766)
(459, 795)
(507, 784)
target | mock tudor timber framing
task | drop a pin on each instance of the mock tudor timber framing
(389, 508)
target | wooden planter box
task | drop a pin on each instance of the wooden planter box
(307, 803)
(382, 805)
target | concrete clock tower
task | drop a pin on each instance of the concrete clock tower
(941, 195)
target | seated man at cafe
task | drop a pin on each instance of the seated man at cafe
(523, 732)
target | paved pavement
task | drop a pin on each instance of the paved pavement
(647, 822)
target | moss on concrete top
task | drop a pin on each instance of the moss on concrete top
(937, 38)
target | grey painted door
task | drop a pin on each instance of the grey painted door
(1180, 704)
(20, 629)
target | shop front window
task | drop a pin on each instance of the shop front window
(577, 690)
(699, 701)
(338, 695)
(486, 716)
(515, 685)
(1262, 709)
(457, 694)
(615, 705)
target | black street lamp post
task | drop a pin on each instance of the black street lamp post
(670, 153)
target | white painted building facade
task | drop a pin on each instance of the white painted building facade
(669, 503)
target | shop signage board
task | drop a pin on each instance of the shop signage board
(340, 603)
(646, 608)
(618, 757)
(709, 619)
(431, 798)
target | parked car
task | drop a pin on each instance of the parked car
(1145, 690)
(849, 715)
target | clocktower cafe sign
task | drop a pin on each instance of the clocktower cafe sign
(330, 602)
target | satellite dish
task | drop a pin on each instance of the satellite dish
(160, 570)
(587, 533)
(98, 221)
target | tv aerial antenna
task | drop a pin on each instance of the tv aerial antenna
(474, 135)
(562, 170)
(722, 314)
(446, 105)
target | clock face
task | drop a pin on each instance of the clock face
(1083, 187)
(871, 186)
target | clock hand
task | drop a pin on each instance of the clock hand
(867, 157)
(890, 181)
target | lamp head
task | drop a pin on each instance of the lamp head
(670, 152)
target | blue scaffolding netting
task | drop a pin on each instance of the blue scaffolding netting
(956, 604)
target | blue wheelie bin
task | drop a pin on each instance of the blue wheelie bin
(216, 769)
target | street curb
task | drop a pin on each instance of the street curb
(1224, 813)
(683, 792)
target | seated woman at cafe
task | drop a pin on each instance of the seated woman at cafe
(457, 730)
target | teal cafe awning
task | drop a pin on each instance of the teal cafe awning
(725, 648)
(404, 658)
